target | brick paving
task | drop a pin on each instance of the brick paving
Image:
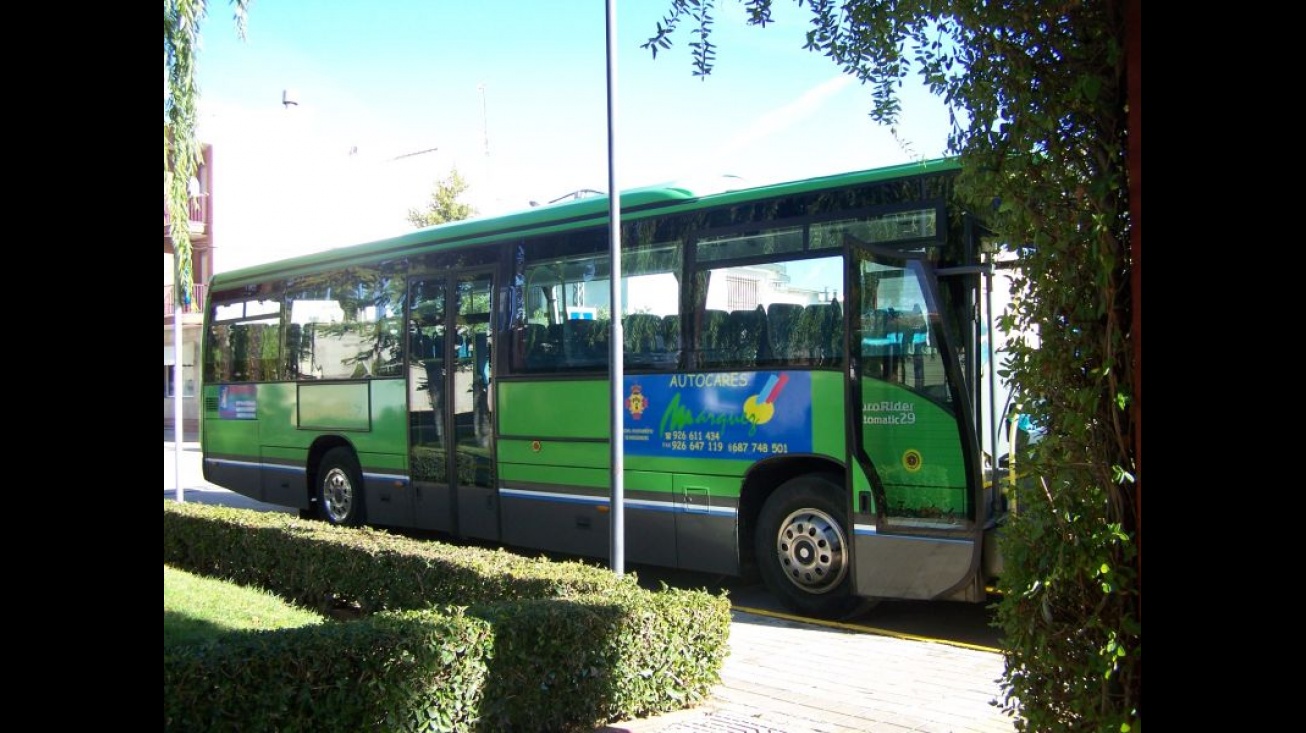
(790, 676)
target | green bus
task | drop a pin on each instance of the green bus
(803, 384)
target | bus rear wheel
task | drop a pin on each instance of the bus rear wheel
(340, 488)
(802, 547)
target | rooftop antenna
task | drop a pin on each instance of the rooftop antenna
(288, 98)
(415, 152)
(485, 119)
(485, 135)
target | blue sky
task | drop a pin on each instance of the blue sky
(514, 96)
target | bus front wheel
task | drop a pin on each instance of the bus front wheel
(340, 488)
(803, 550)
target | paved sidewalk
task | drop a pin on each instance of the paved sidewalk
(787, 676)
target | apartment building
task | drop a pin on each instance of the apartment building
(192, 317)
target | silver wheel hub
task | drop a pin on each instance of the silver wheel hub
(338, 494)
(811, 550)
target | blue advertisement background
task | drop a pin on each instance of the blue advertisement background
(238, 402)
(718, 415)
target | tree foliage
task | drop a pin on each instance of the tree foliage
(443, 205)
(1037, 93)
(181, 151)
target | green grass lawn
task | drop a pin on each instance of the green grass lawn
(196, 608)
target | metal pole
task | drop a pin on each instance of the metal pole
(176, 386)
(993, 375)
(617, 347)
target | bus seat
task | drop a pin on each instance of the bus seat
(575, 341)
(822, 330)
(602, 332)
(642, 337)
(713, 339)
(240, 360)
(815, 333)
(671, 332)
(745, 331)
(671, 338)
(763, 335)
(781, 320)
(294, 348)
(584, 343)
(540, 353)
(834, 347)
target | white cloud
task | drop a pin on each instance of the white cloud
(786, 117)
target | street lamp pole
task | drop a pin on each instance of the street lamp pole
(616, 341)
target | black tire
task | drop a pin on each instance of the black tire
(804, 550)
(340, 488)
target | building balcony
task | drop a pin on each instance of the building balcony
(199, 216)
(199, 296)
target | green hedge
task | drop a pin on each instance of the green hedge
(447, 637)
(400, 671)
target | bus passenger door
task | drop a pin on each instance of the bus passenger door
(472, 402)
(450, 405)
(915, 530)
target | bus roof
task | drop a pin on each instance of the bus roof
(583, 212)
